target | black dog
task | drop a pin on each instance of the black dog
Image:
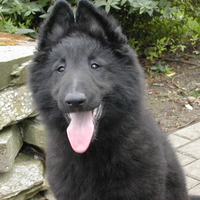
(88, 86)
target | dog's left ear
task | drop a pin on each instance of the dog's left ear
(99, 23)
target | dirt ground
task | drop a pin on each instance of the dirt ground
(175, 100)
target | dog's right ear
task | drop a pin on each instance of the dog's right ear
(97, 22)
(56, 25)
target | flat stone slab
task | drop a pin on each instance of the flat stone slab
(184, 159)
(191, 132)
(193, 170)
(9, 53)
(177, 141)
(195, 190)
(191, 183)
(16, 104)
(192, 149)
(12, 57)
(26, 175)
(34, 133)
(10, 144)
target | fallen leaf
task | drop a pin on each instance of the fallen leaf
(171, 74)
(188, 106)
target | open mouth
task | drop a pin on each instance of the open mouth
(82, 126)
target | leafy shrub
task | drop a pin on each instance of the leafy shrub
(152, 26)
(21, 16)
(156, 26)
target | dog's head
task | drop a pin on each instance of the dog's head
(88, 68)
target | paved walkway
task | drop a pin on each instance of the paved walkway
(187, 144)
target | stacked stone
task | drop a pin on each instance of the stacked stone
(22, 136)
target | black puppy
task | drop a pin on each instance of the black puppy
(88, 86)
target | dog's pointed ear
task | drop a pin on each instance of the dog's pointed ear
(99, 23)
(56, 25)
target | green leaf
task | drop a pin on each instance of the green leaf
(167, 11)
(44, 15)
(100, 3)
(43, 3)
(116, 7)
(50, 9)
(27, 13)
(24, 31)
(17, 2)
(123, 2)
(4, 10)
(154, 3)
(143, 2)
(135, 5)
(142, 10)
(150, 12)
(4, 1)
(163, 3)
(107, 8)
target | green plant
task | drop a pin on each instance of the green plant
(147, 23)
(108, 4)
(174, 48)
(140, 6)
(8, 25)
(135, 44)
(194, 39)
(160, 67)
(20, 16)
(144, 6)
(158, 49)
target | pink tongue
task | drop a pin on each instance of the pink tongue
(80, 131)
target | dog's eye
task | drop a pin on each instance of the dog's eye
(61, 69)
(95, 66)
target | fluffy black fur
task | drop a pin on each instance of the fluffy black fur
(129, 157)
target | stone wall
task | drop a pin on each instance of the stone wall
(22, 136)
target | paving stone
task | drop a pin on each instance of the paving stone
(187, 143)
(195, 190)
(193, 169)
(191, 182)
(10, 144)
(34, 133)
(184, 159)
(192, 149)
(191, 132)
(177, 141)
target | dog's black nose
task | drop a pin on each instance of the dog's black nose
(75, 100)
